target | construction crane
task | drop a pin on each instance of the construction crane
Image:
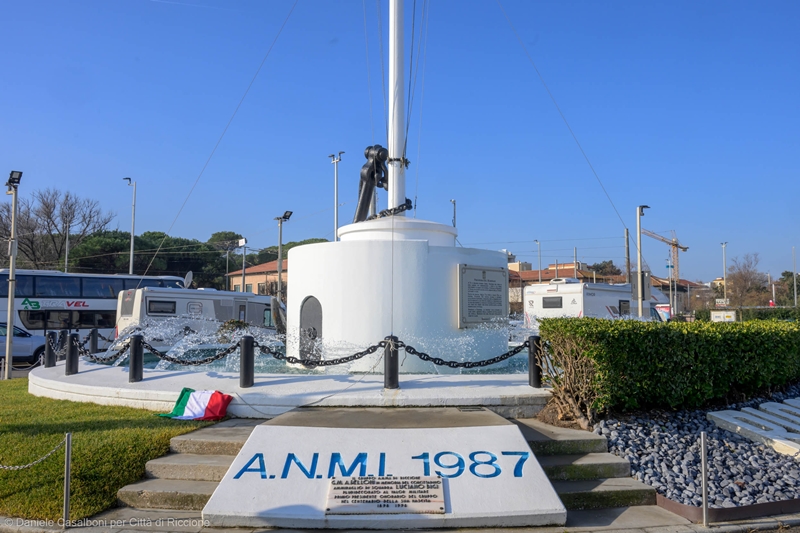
(675, 245)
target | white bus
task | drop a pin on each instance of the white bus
(48, 300)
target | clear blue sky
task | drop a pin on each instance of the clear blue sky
(690, 107)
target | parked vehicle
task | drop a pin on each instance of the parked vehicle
(151, 304)
(26, 346)
(568, 297)
(48, 300)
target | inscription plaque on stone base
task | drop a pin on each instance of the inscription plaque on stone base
(482, 295)
(386, 495)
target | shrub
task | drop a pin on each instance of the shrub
(757, 313)
(596, 364)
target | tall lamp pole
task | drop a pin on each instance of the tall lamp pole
(794, 275)
(539, 253)
(640, 288)
(335, 160)
(281, 219)
(133, 220)
(243, 244)
(13, 182)
(454, 212)
(724, 273)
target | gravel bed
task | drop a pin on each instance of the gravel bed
(664, 451)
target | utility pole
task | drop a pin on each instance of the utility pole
(725, 274)
(454, 212)
(794, 275)
(640, 288)
(281, 219)
(335, 160)
(539, 253)
(627, 256)
(243, 244)
(575, 262)
(66, 253)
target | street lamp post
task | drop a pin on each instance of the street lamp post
(133, 220)
(335, 160)
(794, 275)
(539, 253)
(454, 212)
(281, 219)
(13, 182)
(724, 273)
(66, 250)
(640, 288)
(243, 244)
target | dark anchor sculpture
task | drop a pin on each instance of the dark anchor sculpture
(373, 174)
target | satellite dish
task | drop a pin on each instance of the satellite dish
(187, 281)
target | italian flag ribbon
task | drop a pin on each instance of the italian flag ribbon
(200, 405)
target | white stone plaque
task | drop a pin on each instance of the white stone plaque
(482, 295)
(282, 478)
(385, 495)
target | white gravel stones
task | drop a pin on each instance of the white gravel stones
(664, 451)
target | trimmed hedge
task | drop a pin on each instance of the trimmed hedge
(756, 313)
(675, 365)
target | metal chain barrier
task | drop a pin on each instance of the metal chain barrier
(37, 461)
(393, 211)
(59, 353)
(466, 364)
(98, 359)
(313, 363)
(190, 362)
(101, 337)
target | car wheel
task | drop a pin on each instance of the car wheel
(38, 356)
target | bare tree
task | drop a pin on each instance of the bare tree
(746, 285)
(43, 222)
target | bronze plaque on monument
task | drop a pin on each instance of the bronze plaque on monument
(482, 295)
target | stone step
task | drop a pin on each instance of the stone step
(189, 466)
(604, 493)
(166, 494)
(550, 440)
(584, 466)
(224, 438)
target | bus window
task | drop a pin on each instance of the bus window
(172, 283)
(23, 289)
(105, 319)
(61, 319)
(139, 283)
(59, 287)
(32, 319)
(101, 287)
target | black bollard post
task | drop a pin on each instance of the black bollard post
(391, 364)
(49, 352)
(135, 359)
(534, 361)
(71, 366)
(93, 341)
(246, 362)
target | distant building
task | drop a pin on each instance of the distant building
(260, 279)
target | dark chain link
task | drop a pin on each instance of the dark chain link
(37, 461)
(190, 362)
(109, 358)
(56, 351)
(313, 363)
(466, 364)
(394, 210)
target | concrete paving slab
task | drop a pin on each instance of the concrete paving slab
(400, 418)
(585, 466)
(274, 394)
(189, 466)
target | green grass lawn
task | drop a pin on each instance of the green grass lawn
(110, 446)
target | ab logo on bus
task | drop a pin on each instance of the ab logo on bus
(28, 304)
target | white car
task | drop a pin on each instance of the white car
(26, 347)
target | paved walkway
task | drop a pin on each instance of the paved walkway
(641, 519)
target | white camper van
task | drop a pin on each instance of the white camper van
(147, 304)
(568, 297)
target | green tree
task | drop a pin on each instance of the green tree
(265, 255)
(606, 268)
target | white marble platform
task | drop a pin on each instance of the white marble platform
(775, 424)
(272, 394)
